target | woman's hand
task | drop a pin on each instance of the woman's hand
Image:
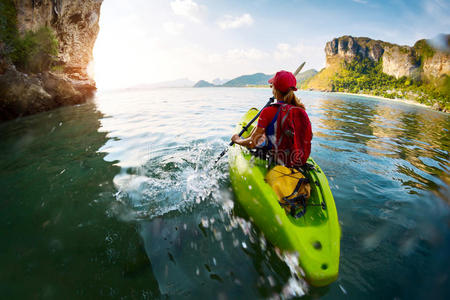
(235, 138)
(250, 142)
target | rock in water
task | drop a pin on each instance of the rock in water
(437, 107)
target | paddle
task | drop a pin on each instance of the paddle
(244, 129)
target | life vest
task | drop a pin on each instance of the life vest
(291, 137)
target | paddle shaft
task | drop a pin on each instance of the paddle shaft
(244, 129)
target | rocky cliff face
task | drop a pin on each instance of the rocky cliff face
(400, 61)
(75, 24)
(360, 65)
(437, 65)
(396, 60)
(349, 48)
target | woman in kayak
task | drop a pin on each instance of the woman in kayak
(267, 134)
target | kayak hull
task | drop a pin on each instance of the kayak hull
(315, 236)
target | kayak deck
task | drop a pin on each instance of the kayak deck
(315, 236)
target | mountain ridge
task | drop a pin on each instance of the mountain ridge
(255, 80)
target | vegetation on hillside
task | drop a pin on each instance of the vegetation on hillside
(366, 76)
(304, 76)
(424, 50)
(203, 83)
(256, 80)
(245, 80)
(322, 80)
(31, 52)
(35, 51)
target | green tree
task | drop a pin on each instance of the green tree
(36, 51)
(367, 76)
(33, 51)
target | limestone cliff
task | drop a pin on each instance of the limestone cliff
(348, 48)
(414, 69)
(397, 60)
(67, 80)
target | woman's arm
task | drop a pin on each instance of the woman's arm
(252, 141)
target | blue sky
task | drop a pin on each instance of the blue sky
(143, 41)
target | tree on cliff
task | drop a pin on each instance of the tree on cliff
(33, 51)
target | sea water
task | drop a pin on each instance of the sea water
(119, 198)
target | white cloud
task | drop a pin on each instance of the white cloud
(290, 56)
(252, 54)
(230, 22)
(187, 8)
(284, 51)
(173, 28)
(237, 55)
(150, 54)
(360, 1)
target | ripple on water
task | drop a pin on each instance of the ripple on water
(387, 163)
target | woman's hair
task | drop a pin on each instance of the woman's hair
(289, 97)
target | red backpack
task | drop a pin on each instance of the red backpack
(293, 136)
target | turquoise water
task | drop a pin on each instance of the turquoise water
(117, 199)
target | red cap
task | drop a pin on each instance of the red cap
(283, 81)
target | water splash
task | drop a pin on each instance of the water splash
(166, 183)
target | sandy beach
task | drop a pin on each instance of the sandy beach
(408, 101)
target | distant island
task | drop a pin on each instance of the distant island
(364, 66)
(257, 79)
(203, 83)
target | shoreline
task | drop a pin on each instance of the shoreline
(400, 100)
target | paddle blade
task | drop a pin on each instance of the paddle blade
(299, 68)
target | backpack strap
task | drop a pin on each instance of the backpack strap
(276, 117)
(297, 187)
(271, 136)
(296, 202)
(282, 123)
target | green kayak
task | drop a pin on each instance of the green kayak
(315, 236)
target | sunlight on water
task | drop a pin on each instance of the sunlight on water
(165, 142)
(122, 198)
